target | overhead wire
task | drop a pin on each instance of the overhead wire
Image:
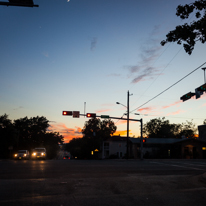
(169, 87)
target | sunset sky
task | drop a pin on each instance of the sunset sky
(64, 53)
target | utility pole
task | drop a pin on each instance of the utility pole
(204, 73)
(128, 125)
(141, 139)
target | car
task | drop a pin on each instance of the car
(66, 157)
(22, 154)
(39, 153)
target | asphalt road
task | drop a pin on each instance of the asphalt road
(103, 182)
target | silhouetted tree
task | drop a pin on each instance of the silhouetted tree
(188, 130)
(27, 133)
(94, 132)
(161, 128)
(31, 131)
(189, 33)
(8, 136)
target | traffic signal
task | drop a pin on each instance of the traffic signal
(91, 115)
(187, 96)
(144, 140)
(67, 113)
(199, 91)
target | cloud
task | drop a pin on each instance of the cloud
(172, 104)
(114, 75)
(46, 54)
(20, 107)
(176, 112)
(67, 133)
(146, 109)
(121, 122)
(148, 72)
(204, 105)
(93, 43)
(103, 110)
(144, 69)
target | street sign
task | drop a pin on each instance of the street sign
(76, 114)
(105, 116)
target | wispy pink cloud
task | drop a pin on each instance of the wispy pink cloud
(176, 112)
(146, 110)
(203, 105)
(172, 104)
(67, 133)
(103, 110)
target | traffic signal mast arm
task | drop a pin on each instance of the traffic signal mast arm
(28, 3)
(69, 113)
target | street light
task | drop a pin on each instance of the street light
(121, 104)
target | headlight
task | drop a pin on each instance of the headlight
(24, 155)
(15, 155)
(34, 154)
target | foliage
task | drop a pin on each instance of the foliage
(27, 133)
(8, 136)
(101, 128)
(189, 33)
(188, 129)
(161, 128)
(94, 132)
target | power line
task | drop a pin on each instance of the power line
(169, 87)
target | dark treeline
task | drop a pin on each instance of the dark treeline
(162, 128)
(27, 133)
(94, 132)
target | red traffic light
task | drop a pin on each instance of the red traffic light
(67, 113)
(91, 115)
(144, 140)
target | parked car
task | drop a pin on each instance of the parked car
(39, 153)
(22, 154)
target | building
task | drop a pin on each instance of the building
(202, 132)
(169, 148)
(114, 147)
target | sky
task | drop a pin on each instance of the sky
(64, 55)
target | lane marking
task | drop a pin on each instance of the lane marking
(178, 166)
